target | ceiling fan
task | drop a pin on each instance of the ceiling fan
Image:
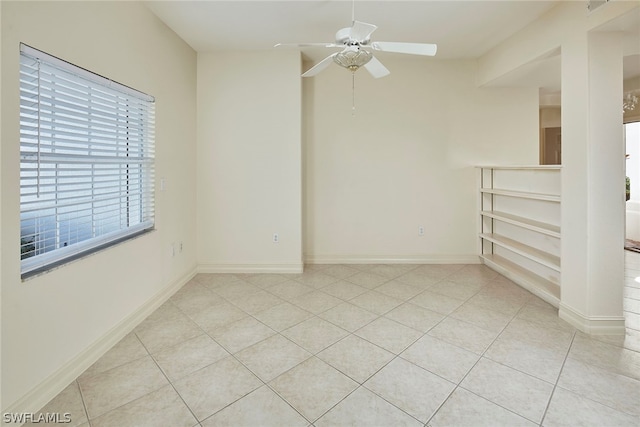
(355, 42)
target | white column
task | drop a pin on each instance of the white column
(592, 183)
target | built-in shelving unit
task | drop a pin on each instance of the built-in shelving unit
(519, 226)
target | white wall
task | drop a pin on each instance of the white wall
(48, 321)
(593, 156)
(249, 161)
(406, 159)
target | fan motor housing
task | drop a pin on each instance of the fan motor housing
(343, 36)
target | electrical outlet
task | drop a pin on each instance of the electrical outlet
(180, 248)
(276, 238)
(420, 230)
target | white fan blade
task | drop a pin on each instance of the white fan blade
(425, 49)
(361, 31)
(309, 45)
(376, 68)
(319, 66)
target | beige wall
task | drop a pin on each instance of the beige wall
(49, 320)
(249, 161)
(406, 159)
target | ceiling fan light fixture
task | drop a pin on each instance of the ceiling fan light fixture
(352, 59)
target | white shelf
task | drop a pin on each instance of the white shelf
(539, 286)
(529, 224)
(522, 167)
(518, 208)
(522, 194)
(541, 257)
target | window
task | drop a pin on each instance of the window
(86, 161)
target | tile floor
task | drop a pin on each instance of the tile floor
(370, 345)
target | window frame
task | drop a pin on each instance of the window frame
(107, 170)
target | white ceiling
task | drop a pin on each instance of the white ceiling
(461, 29)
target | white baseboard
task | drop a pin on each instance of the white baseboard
(592, 325)
(391, 259)
(40, 395)
(293, 268)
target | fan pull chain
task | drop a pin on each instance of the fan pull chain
(353, 94)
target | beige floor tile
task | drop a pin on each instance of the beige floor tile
(501, 287)
(632, 321)
(257, 302)
(212, 281)
(340, 271)
(463, 334)
(438, 271)
(446, 360)
(67, 402)
(501, 305)
(261, 407)
(348, 316)
(607, 356)
(486, 319)
(118, 386)
(391, 271)
(239, 335)
(282, 316)
(389, 335)
(167, 312)
(415, 317)
(316, 302)
(464, 408)
(272, 357)
(376, 302)
(344, 290)
(212, 388)
(236, 290)
(544, 316)
(417, 279)
(399, 290)
(313, 387)
(630, 340)
(126, 350)
(165, 334)
(194, 297)
(457, 290)
(364, 408)
(161, 407)
(529, 357)
(266, 280)
(411, 388)
(521, 393)
(523, 330)
(356, 357)
(568, 409)
(189, 356)
(473, 274)
(315, 279)
(363, 267)
(315, 334)
(611, 389)
(289, 289)
(435, 302)
(367, 279)
(216, 317)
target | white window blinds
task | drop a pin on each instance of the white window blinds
(86, 161)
